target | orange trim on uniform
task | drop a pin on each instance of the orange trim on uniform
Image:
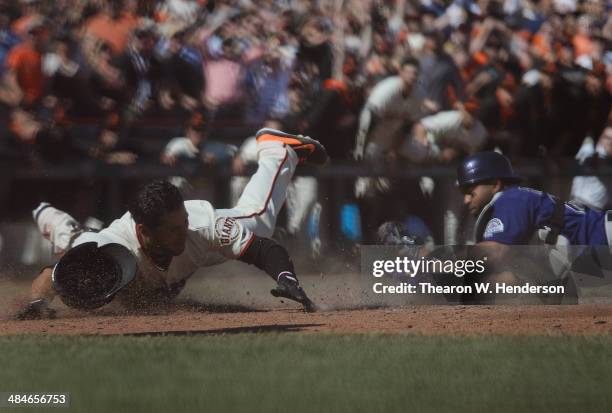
(246, 247)
(275, 138)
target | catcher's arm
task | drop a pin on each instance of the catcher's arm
(41, 295)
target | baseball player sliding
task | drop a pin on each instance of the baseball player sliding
(150, 252)
(511, 215)
(508, 215)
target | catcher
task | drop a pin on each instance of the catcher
(572, 238)
(148, 254)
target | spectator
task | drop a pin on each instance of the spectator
(114, 24)
(226, 62)
(177, 11)
(594, 191)
(8, 39)
(334, 117)
(268, 83)
(141, 69)
(444, 137)
(315, 45)
(183, 74)
(30, 13)
(393, 102)
(537, 76)
(194, 145)
(24, 76)
(443, 83)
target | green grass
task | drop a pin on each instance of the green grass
(313, 373)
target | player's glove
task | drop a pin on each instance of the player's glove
(36, 310)
(289, 287)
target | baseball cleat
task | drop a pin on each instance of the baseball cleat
(306, 148)
(289, 287)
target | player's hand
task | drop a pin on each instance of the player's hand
(36, 310)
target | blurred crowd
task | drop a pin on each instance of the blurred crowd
(381, 82)
(419, 80)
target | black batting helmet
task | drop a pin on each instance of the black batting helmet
(486, 166)
(89, 275)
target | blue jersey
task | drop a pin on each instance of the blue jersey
(515, 214)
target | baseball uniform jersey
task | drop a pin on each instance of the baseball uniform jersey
(214, 235)
(515, 215)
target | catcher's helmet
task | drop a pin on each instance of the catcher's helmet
(409, 236)
(89, 275)
(485, 166)
(394, 233)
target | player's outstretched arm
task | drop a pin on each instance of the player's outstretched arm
(273, 258)
(41, 295)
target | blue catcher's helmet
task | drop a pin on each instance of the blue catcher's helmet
(485, 166)
(411, 231)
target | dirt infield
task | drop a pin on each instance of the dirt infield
(239, 301)
(465, 320)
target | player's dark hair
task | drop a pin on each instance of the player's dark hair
(410, 61)
(154, 201)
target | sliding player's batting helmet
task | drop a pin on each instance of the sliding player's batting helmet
(90, 274)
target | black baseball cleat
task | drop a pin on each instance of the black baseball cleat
(289, 287)
(306, 148)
